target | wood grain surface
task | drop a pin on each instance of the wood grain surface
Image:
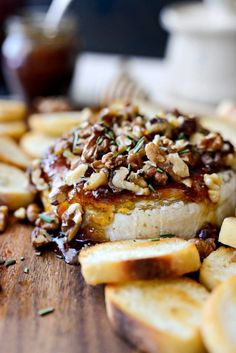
(78, 324)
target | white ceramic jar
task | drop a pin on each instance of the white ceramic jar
(201, 51)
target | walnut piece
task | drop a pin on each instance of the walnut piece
(48, 221)
(96, 180)
(119, 182)
(180, 168)
(3, 218)
(75, 176)
(213, 183)
(204, 247)
(20, 213)
(32, 212)
(71, 220)
(212, 142)
(40, 237)
(154, 153)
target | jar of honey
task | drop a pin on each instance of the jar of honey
(38, 61)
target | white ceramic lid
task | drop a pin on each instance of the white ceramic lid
(212, 16)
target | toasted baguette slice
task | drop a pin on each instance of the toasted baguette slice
(119, 261)
(219, 319)
(227, 234)
(12, 110)
(218, 267)
(11, 153)
(218, 124)
(13, 129)
(158, 316)
(14, 188)
(55, 124)
(36, 144)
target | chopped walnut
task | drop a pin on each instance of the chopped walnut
(71, 220)
(36, 176)
(154, 153)
(40, 237)
(204, 247)
(213, 183)
(32, 212)
(58, 194)
(138, 180)
(20, 213)
(119, 182)
(75, 176)
(136, 159)
(156, 125)
(212, 142)
(109, 160)
(180, 168)
(3, 218)
(48, 221)
(96, 180)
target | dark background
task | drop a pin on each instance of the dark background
(111, 26)
(115, 26)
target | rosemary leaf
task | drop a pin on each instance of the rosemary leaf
(151, 188)
(184, 151)
(45, 218)
(9, 262)
(139, 145)
(46, 311)
(159, 170)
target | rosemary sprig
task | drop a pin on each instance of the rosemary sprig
(167, 235)
(46, 311)
(10, 262)
(100, 140)
(151, 188)
(130, 138)
(75, 139)
(45, 218)
(184, 151)
(159, 170)
(139, 145)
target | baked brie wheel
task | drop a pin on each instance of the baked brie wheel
(131, 177)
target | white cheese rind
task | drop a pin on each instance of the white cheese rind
(151, 218)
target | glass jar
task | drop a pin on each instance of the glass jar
(36, 61)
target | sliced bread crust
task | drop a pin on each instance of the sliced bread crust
(219, 318)
(158, 316)
(126, 260)
(218, 267)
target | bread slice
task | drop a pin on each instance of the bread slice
(14, 129)
(55, 124)
(119, 261)
(11, 153)
(218, 267)
(159, 315)
(14, 187)
(227, 234)
(36, 144)
(219, 319)
(12, 110)
(221, 125)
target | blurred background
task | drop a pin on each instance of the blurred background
(117, 38)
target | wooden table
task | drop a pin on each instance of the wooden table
(78, 324)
